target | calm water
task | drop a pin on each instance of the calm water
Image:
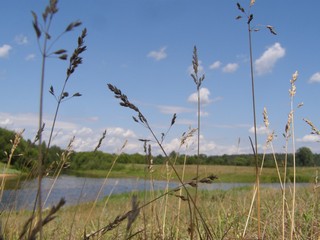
(74, 189)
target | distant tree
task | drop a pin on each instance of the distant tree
(241, 161)
(304, 157)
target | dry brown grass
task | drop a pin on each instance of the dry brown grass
(225, 212)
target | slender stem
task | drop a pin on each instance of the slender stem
(180, 180)
(40, 158)
(255, 134)
(198, 161)
(56, 113)
(284, 189)
(294, 173)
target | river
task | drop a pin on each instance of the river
(80, 189)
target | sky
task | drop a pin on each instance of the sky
(145, 47)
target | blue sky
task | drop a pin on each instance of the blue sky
(144, 47)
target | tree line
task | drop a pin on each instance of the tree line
(26, 154)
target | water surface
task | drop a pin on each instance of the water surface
(80, 189)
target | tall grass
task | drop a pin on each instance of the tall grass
(140, 118)
(249, 17)
(198, 81)
(46, 43)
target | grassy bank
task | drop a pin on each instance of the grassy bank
(5, 170)
(225, 212)
(224, 173)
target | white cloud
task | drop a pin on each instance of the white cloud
(86, 138)
(268, 59)
(21, 39)
(4, 50)
(30, 57)
(230, 67)
(82, 131)
(315, 78)
(309, 138)
(158, 55)
(120, 132)
(208, 146)
(5, 122)
(204, 96)
(187, 122)
(215, 65)
(173, 109)
(260, 130)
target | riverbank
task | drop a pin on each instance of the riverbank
(8, 175)
(225, 174)
(225, 210)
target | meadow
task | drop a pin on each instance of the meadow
(225, 174)
(184, 212)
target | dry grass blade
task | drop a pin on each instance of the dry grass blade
(183, 198)
(209, 179)
(130, 215)
(100, 140)
(38, 226)
(126, 103)
(133, 214)
(315, 130)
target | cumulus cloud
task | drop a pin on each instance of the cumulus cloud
(204, 96)
(30, 57)
(21, 39)
(309, 138)
(173, 109)
(215, 65)
(5, 122)
(4, 50)
(315, 78)
(268, 59)
(260, 130)
(158, 55)
(208, 146)
(120, 132)
(230, 67)
(86, 138)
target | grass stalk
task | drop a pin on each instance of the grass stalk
(76, 210)
(198, 81)
(105, 181)
(249, 18)
(292, 92)
(63, 160)
(142, 120)
(180, 200)
(43, 31)
(255, 133)
(40, 129)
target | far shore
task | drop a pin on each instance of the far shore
(8, 175)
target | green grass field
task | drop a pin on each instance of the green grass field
(224, 173)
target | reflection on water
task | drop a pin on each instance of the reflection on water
(74, 189)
